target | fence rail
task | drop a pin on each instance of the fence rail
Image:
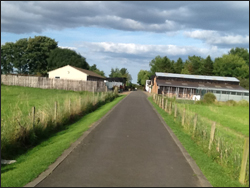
(48, 83)
(226, 147)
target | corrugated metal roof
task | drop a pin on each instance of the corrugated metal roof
(200, 77)
(205, 86)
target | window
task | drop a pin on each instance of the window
(238, 93)
(246, 94)
(217, 91)
(224, 92)
(57, 77)
(233, 93)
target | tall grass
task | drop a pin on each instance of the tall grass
(19, 131)
(227, 146)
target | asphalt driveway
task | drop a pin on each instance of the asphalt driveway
(130, 147)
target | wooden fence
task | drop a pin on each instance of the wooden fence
(230, 149)
(48, 83)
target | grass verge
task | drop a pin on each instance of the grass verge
(37, 160)
(216, 175)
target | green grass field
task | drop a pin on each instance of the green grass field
(217, 175)
(37, 159)
(233, 117)
(14, 98)
(20, 131)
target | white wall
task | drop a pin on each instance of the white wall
(68, 72)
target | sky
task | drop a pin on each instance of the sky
(129, 34)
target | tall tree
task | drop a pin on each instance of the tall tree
(60, 57)
(142, 76)
(178, 66)
(241, 52)
(123, 72)
(96, 70)
(20, 56)
(208, 66)
(159, 64)
(38, 50)
(232, 66)
(115, 73)
(7, 58)
(197, 64)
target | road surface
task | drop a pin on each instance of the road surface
(130, 147)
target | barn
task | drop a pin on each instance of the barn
(75, 73)
(194, 87)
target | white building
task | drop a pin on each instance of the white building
(74, 73)
(148, 86)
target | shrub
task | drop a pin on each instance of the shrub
(231, 103)
(243, 103)
(209, 98)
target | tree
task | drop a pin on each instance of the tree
(60, 57)
(38, 50)
(208, 66)
(178, 66)
(244, 82)
(7, 58)
(159, 64)
(96, 70)
(115, 73)
(197, 65)
(231, 66)
(187, 68)
(241, 52)
(20, 56)
(123, 72)
(142, 76)
(185, 71)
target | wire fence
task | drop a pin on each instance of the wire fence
(225, 146)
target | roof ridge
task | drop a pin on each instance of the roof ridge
(87, 72)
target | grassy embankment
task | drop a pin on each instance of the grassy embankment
(226, 149)
(233, 117)
(54, 109)
(30, 164)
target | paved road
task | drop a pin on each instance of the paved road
(130, 147)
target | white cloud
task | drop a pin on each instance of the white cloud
(150, 50)
(215, 38)
(67, 47)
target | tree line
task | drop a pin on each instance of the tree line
(36, 56)
(39, 55)
(233, 64)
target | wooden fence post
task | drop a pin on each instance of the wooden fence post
(162, 103)
(211, 135)
(195, 122)
(183, 117)
(170, 107)
(166, 106)
(69, 106)
(55, 111)
(175, 111)
(244, 161)
(33, 116)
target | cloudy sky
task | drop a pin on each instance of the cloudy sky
(131, 33)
